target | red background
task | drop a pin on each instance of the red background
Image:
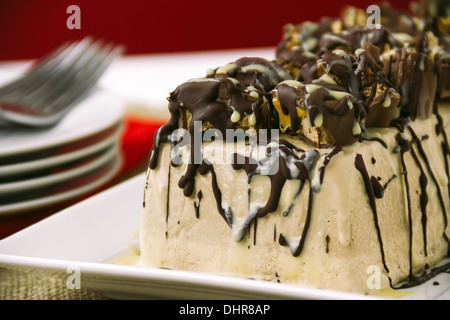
(31, 28)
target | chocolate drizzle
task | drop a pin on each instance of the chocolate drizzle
(433, 176)
(231, 97)
(440, 130)
(347, 88)
(197, 204)
(286, 165)
(360, 165)
(226, 213)
(402, 147)
(327, 159)
(427, 275)
(378, 189)
(297, 250)
(423, 199)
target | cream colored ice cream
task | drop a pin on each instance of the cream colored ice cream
(328, 236)
(331, 171)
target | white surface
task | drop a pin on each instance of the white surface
(48, 162)
(91, 234)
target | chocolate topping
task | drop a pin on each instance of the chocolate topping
(306, 35)
(230, 97)
(294, 59)
(395, 20)
(344, 80)
(354, 39)
(323, 113)
(254, 71)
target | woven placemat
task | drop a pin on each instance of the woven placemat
(19, 285)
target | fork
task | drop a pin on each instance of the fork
(56, 83)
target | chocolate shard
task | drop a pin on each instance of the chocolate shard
(294, 59)
(431, 8)
(379, 97)
(415, 76)
(442, 60)
(444, 76)
(382, 108)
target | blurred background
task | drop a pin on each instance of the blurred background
(31, 28)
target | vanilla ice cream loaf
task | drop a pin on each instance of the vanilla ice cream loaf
(332, 223)
(330, 171)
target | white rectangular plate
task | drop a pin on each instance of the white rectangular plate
(92, 234)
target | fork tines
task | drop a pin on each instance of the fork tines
(56, 83)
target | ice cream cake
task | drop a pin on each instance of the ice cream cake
(327, 166)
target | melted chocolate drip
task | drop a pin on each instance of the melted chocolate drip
(255, 225)
(378, 189)
(440, 130)
(197, 205)
(433, 177)
(299, 248)
(423, 199)
(360, 165)
(238, 87)
(402, 147)
(417, 280)
(277, 177)
(389, 181)
(327, 160)
(226, 213)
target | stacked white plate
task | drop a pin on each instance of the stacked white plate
(42, 167)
